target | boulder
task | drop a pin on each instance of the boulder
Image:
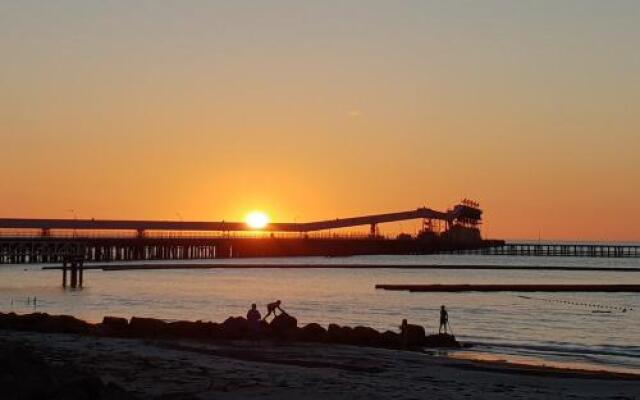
(147, 327)
(184, 329)
(30, 322)
(65, 324)
(365, 336)
(339, 334)
(115, 323)
(283, 323)
(235, 328)
(284, 327)
(42, 322)
(198, 329)
(7, 321)
(114, 326)
(389, 340)
(265, 328)
(313, 333)
(442, 340)
(412, 336)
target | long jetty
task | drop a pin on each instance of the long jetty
(24, 240)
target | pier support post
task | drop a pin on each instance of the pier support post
(64, 274)
(81, 273)
(74, 275)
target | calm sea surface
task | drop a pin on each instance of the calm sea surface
(585, 330)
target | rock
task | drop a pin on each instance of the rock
(147, 327)
(42, 322)
(413, 336)
(365, 336)
(113, 326)
(116, 323)
(283, 323)
(339, 334)
(30, 322)
(283, 326)
(185, 329)
(8, 321)
(4, 320)
(265, 328)
(65, 324)
(235, 328)
(313, 333)
(441, 340)
(389, 340)
(198, 329)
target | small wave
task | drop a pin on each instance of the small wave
(604, 356)
(566, 348)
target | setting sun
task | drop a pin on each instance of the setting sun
(257, 219)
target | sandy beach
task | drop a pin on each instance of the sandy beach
(170, 369)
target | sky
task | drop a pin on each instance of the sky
(205, 110)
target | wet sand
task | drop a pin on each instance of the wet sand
(267, 370)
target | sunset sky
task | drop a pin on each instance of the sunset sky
(206, 110)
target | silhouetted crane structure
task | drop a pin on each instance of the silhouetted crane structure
(73, 242)
(462, 214)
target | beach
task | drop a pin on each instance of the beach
(163, 369)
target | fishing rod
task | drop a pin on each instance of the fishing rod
(450, 328)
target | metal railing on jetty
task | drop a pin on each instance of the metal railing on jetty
(96, 234)
(557, 250)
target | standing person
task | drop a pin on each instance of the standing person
(444, 319)
(253, 318)
(272, 307)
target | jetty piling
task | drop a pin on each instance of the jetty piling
(76, 273)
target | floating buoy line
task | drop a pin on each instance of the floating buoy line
(599, 308)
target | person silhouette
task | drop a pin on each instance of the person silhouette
(272, 307)
(253, 318)
(253, 314)
(444, 319)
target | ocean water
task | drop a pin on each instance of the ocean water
(597, 331)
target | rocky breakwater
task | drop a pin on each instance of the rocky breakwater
(282, 328)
